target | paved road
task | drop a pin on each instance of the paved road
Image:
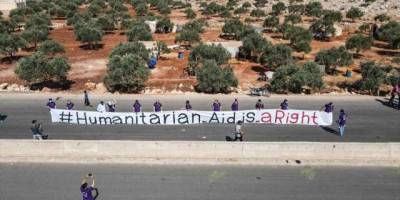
(369, 119)
(61, 182)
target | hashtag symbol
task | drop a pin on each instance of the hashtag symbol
(65, 117)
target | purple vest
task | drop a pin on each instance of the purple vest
(216, 107)
(328, 108)
(51, 104)
(235, 106)
(157, 107)
(87, 193)
(188, 106)
(342, 119)
(284, 105)
(136, 107)
(70, 106)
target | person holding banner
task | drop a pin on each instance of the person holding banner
(342, 122)
(235, 105)
(238, 131)
(216, 106)
(285, 105)
(101, 107)
(259, 105)
(69, 105)
(51, 104)
(157, 106)
(328, 107)
(86, 189)
(188, 107)
(111, 106)
(137, 107)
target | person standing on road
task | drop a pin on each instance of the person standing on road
(157, 106)
(86, 189)
(111, 106)
(235, 105)
(69, 105)
(188, 107)
(101, 107)
(342, 122)
(37, 131)
(51, 104)
(238, 131)
(259, 105)
(328, 107)
(137, 107)
(395, 91)
(86, 98)
(285, 105)
(216, 106)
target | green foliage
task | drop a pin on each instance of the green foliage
(278, 8)
(331, 15)
(9, 44)
(164, 25)
(257, 13)
(240, 10)
(364, 28)
(212, 78)
(127, 73)
(271, 22)
(390, 32)
(260, 3)
(372, 77)
(131, 48)
(141, 9)
(225, 13)
(359, 42)
(209, 52)
(292, 78)
(382, 18)
(354, 13)
(105, 23)
(246, 4)
(89, 34)
(38, 20)
(276, 56)
(314, 9)
(236, 29)
(35, 35)
(162, 47)
(334, 57)
(163, 7)
(300, 39)
(190, 14)
(195, 25)
(189, 36)
(39, 68)
(139, 31)
(323, 29)
(212, 9)
(293, 19)
(51, 47)
(253, 46)
(297, 9)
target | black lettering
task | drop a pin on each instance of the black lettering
(165, 118)
(250, 117)
(129, 118)
(198, 117)
(183, 116)
(173, 117)
(94, 120)
(143, 116)
(154, 117)
(116, 120)
(214, 117)
(105, 120)
(78, 119)
(231, 120)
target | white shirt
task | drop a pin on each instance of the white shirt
(101, 108)
(238, 128)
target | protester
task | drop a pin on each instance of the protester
(2, 118)
(395, 91)
(238, 131)
(235, 105)
(157, 106)
(37, 131)
(111, 106)
(188, 107)
(51, 104)
(328, 107)
(101, 107)
(259, 105)
(216, 105)
(342, 121)
(87, 189)
(137, 107)
(70, 105)
(86, 98)
(285, 105)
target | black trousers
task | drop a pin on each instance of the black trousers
(238, 137)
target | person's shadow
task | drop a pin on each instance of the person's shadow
(2, 118)
(386, 103)
(330, 130)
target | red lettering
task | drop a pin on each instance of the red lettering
(314, 118)
(294, 118)
(279, 117)
(266, 117)
(305, 116)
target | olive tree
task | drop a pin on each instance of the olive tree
(51, 47)
(333, 58)
(354, 13)
(212, 78)
(359, 42)
(276, 56)
(139, 31)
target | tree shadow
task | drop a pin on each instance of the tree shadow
(276, 36)
(258, 69)
(60, 85)
(91, 47)
(330, 130)
(10, 60)
(386, 103)
(380, 45)
(388, 53)
(228, 138)
(109, 32)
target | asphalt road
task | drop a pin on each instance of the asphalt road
(369, 119)
(49, 182)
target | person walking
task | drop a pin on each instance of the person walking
(328, 107)
(188, 107)
(137, 107)
(157, 106)
(69, 105)
(395, 91)
(86, 98)
(342, 122)
(285, 105)
(235, 105)
(37, 131)
(259, 105)
(216, 106)
(51, 104)
(87, 190)
(101, 107)
(238, 131)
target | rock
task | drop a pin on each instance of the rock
(100, 88)
(13, 88)
(46, 89)
(90, 86)
(3, 86)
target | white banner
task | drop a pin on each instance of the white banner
(181, 117)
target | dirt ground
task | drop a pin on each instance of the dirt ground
(91, 65)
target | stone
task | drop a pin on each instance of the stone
(3, 86)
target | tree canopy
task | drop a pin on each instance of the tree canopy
(359, 42)
(276, 56)
(209, 52)
(334, 57)
(212, 78)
